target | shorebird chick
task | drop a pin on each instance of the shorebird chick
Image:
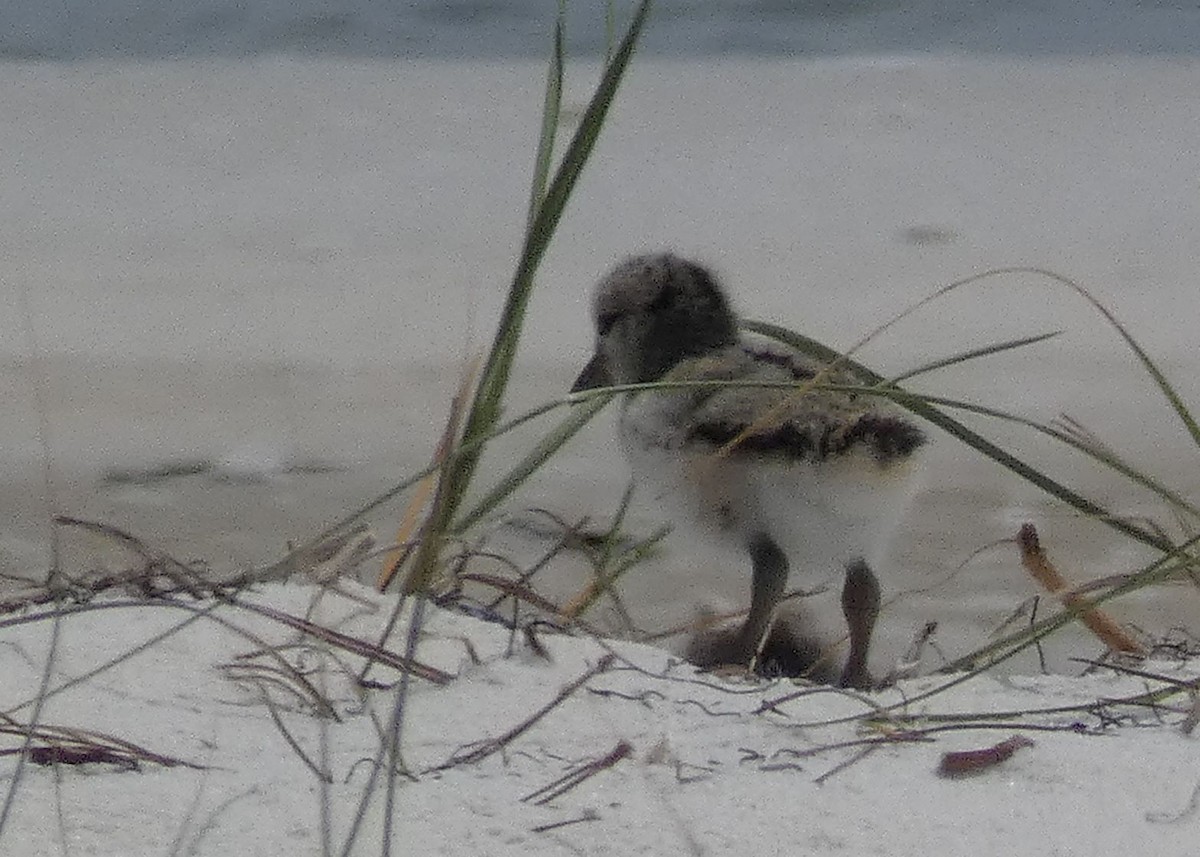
(816, 476)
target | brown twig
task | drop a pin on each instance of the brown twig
(563, 541)
(159, 575)
(1096, 620)
(587, 815)
(1192, 684)
(62, 745)
(483, 749)
(519, 592)
(644, 697)
(899, 736)
(157, 562)
(845, 763)
(350, 644)
(578, 774)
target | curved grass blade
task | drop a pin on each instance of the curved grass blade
(353, 518)
(966, 435)
(1161, 570)
(551, 106)
(914, 401)
(409, 521)
(484, 412)
(549, 444)
(1181, 409)
(1172, 396)
(1073, 438)
(35, 718)
(974, 353)
(485, 409)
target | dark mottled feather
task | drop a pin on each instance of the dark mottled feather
(888, 438)
(800, 425)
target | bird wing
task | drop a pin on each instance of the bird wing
(789, 421)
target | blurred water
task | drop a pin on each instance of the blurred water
(252, 279)
(478, 29)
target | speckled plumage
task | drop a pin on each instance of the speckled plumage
(816, 476)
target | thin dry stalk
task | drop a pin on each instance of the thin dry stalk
(435, 527)
(494, 745)
(317, 770)
(198, 613)
(210, 822)
(263, 676)
(587, 815)
(156, 562)
(351, 644)
(841, 766)
(65, 745)
(514, 589)
(35, 716)
(425, 488)
(579, 774)
(323, 561)
(1035, 561)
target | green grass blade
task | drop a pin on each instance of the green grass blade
(610, 30)
(549, 444)
(973, 354)
(486, 405)
(354, 517)
(612, 539)
(1177, 403)
(1073, 440)
(485, 409)
(971, 438)
(1076, 437)
(551, 107)
(1181, 408)
(1158, 571)
(582, 143)
(611, 571)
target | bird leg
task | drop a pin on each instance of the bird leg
(860, 605)
(766, 589)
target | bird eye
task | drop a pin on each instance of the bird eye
(605, 321)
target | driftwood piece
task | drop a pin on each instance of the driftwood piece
(1096, 620)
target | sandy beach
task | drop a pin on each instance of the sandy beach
(265, 277)
(642, 756)
(247, 260)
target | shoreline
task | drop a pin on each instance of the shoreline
(279, 263)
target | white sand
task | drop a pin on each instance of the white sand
(264, 265)
(705, 774)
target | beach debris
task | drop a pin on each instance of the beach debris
(969, 763)
(578, 774)
(1034, 559)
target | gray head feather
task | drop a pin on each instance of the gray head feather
(651, 312)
